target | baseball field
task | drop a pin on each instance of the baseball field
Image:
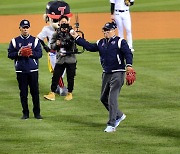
(151, 104)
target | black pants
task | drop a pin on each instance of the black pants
(31, 80)
(58, 72)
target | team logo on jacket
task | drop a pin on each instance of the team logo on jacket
(113, 42)
(29, 45)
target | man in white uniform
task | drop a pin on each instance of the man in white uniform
(121, 15)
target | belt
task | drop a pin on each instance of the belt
(121, 10)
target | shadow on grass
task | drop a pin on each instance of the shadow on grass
(77, 119)
(162, 132)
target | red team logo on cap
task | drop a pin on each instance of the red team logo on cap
(61, 9)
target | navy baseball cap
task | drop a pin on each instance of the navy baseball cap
(24, 23)
(58, 8)
(109, 25)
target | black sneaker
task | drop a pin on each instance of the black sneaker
(25, 117)
(39, 117)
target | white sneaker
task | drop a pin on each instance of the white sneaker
(110, 129)
(119, 120)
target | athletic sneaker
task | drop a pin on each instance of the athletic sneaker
(68, 97)
(110, 129)
(119, 120)
(50, 96)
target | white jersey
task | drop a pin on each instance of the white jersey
(120, 5)
(47, 32)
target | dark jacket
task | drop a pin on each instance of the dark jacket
(114, 53)
(60, 57)
(25, 64)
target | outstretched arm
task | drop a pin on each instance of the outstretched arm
(82, 42)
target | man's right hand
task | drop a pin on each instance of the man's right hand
(73, 33)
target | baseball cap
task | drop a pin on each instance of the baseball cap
(48, 6)
(109, 25)
(24, 23)
(58, 8)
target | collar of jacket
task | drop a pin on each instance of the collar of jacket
(108, 40)
(24, 37)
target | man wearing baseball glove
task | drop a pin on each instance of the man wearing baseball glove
(25, 50)
(116, 58)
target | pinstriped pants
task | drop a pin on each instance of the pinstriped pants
(111, 86)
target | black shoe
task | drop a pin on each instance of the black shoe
(25, 117)
(39, 117)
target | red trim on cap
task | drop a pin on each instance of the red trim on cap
(53, 16)
(69, 15)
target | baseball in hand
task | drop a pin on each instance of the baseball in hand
(72, 32)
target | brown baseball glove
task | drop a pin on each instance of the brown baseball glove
(127, 2)
(26, 52)
(130, 76)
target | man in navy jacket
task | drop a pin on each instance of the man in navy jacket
(116, 58)
(26, 67)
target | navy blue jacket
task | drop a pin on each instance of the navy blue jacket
(114, 53)
(25, 64)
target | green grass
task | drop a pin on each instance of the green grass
(151, 105)
(10, 7)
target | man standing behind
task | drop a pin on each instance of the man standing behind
(120, 13)
(116, 59)
(25, 50)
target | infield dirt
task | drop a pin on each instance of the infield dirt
(145, 25)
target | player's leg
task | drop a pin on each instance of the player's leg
(119, 22)
(105, 90)
(34, 90)
(116, 82)
(127, 26)
(22, 79)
